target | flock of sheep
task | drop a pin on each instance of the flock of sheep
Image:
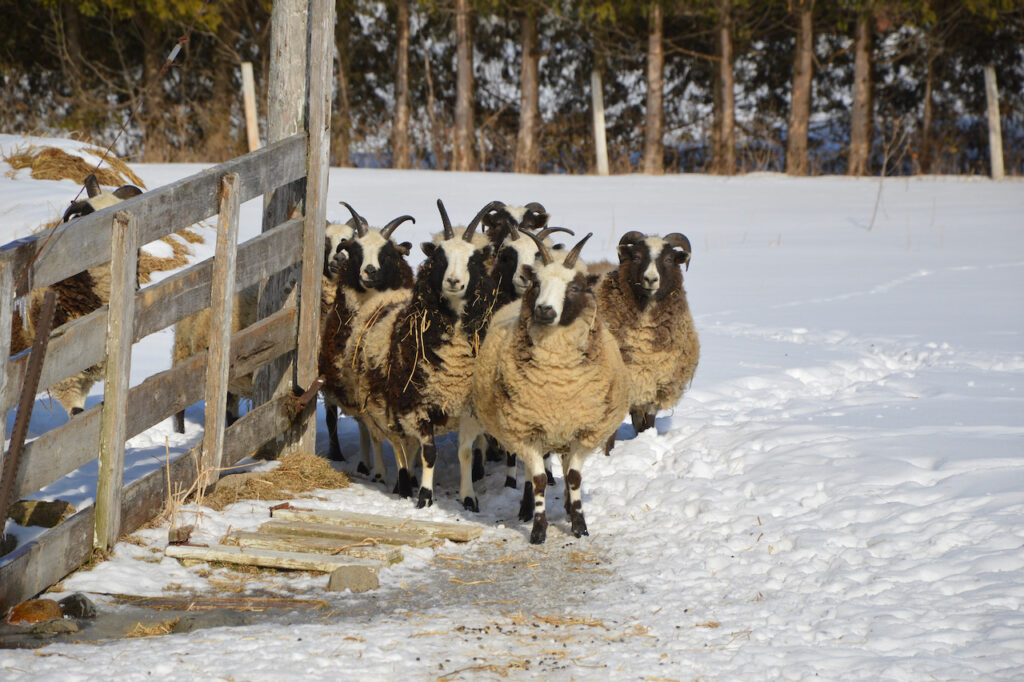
(501, 335)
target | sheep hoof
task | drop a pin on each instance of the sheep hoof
(426, 498)
(403, 486)
(378, 478)
(579, 525)
(551, 476)
(334, 454)
(526, 506)
(362, 469)
(510, 482)
(540, 530)
(471, 504)
(478, 465)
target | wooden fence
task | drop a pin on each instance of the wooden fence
(112, 236)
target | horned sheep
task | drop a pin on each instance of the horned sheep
(645, 307)
(550, 378)
(76, 297)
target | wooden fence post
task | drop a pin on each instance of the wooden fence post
(222, 304)
(6, 316)
(317, 169)
(995, 131)
(124, 255)
(600, 136)
(252, 128)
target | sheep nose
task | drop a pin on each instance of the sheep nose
(544, 313)
(453, 282)
(650, 281)
(369, 271)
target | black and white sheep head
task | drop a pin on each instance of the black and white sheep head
(501, 220)
(517, 253)
(334, 235)
(456, 263)
(99, 198)
(560, 292)
(650, 265)
(370, 259)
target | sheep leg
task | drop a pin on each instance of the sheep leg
(428, 455)
(469, 431)
(233, 409)
(547, 469)
(331, 417)
(478, 458)
(376, 448)
(179, 422)
(609, 444)
(572, 463)
(403, 484)
(494, 451)
(365, 447)
(535, 471)
(510, 477)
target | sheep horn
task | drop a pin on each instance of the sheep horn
(361, 224)
(92, 185)
(570, 259)
(545, 255)
(631, 237)
(468, 234)
(551, 230)
(390, 227)
(446, 222)
(680, 241)
(536, 207)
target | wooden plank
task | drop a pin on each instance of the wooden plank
(252, 129)
(457, 532)
(85, 242)
(39, 563)
(386, 554)
(219, 350)
(152, 401)
(124, 252)
(269, 558)
(197, 603)
(347, 533)
(79, 344)
(6, 315)
(321, 37)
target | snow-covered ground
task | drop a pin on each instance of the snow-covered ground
(840, 494)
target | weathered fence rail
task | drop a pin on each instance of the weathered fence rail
(110, 236)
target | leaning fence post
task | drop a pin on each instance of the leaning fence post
(124, 258)
(6, 316)
(222, 300)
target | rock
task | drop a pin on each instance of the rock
(40, 513)
(355, 578)
(220, 618)
(179, 534)
(77, 606)
(58, 626)
(34, 611)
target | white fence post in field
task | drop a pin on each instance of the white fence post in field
(995, 131)
(124, 256)
(252, 128)
(222, 304)
(600, 136)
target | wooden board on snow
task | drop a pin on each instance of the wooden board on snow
(269, 558)
(457, 532)
(385, 554)
(347, 534)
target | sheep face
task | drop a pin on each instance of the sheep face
(651, 267)
(334, 235)
(500, 221)
(455, 268)
(562, 294)
(373, 262)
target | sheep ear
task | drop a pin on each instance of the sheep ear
(681, 258)
(623, 251)
(127, 192)
(558, 247)
(428, 248)
(404, 248)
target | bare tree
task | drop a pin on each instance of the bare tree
(400, 130)
(464, 158)
(341, 118)
(723, 132)
(654, 124)
(861, 120)
(527, 151)
(800, 97)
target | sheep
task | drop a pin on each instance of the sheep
(76, 296)
(550, 378)
(361, 261)
(644, 305)
(502, 219)
(414, 356)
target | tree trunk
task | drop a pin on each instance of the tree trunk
(341, 120)
(723, 133)
(400, 131)
(436, 134)
(72, 25)
(654, 149)
(527, 152)
(924, 157)
(995, 132)
(464, 126)
(600, 135)
(150, 115)
(800, 100)
(861, 121)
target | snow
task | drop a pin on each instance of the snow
(839, 495)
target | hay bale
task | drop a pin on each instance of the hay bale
(297, 473)
(51, 163)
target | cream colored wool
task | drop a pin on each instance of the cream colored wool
(659, 345)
